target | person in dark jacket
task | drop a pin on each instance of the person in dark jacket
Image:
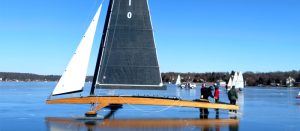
(232, 96)
(205, 93)
(202, 90)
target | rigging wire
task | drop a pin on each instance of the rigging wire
(93, 105)
(91, 14)
(113, 36)
(104, 45)
(97, 92)
(86, 24)
(143, 110)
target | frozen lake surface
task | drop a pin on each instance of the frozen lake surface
(23, 107)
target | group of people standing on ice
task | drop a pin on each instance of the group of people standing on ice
(206, 92)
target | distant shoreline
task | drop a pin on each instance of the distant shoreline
(265, 86)
(30, 77)
(271, 79)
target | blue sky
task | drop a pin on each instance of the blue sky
(40, 36)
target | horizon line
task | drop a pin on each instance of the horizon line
(164, 72)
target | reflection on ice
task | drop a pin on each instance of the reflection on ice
(240, 102)
(68, 124)
(110, 123)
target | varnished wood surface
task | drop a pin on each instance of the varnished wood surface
(103, 101)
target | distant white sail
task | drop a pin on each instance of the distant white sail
(229, 84)
(240, 81)
(74, 76)
(235, 78)
(178, 81)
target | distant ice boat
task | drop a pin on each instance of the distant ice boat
(178, 81)
(192, 85)
(183, 85)
(298, 97)
(240, 81)
(236, 80)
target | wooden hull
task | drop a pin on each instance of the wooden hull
(104, 101)
(297, 97)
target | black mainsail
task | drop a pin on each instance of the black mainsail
(127, 58)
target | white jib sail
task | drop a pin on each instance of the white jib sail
(178, 81)
(240, 81)
(73, 78)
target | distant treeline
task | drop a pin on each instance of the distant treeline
(251, 78)
(10, 76)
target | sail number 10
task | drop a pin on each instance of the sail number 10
(129, 14)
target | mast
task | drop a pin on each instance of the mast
(92, 92)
